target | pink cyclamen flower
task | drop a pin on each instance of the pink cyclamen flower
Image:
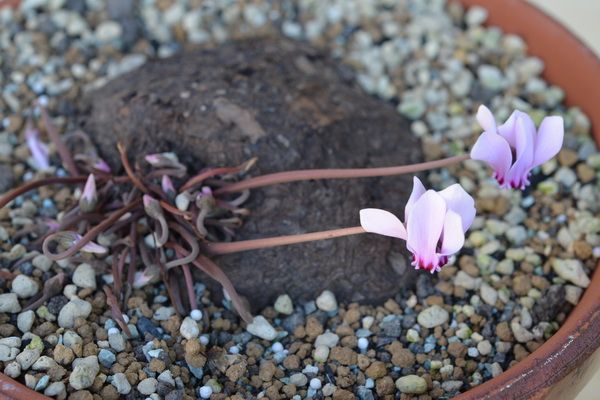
(514, 148)
(38, 150)
(434, 227)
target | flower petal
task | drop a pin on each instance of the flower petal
(507, 129)
(525, 136)
(425, 224)
(486, 119)
(417, 192)
(453, 236)
(460, 202)
(91, 247)
(382, 222)
(549, 139)
(494, 150)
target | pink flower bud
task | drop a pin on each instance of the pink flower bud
(89, 197)
(38, 150)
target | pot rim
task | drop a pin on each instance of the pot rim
(576, 340)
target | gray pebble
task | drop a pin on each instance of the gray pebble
(9, 303)
(75, 308)
(84, 372)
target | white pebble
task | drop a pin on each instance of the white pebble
(234, 350)
(369, 383)
(315, 383)
(326, 301)
(196, 314)
(277, 347)
(363, 343)
(204, 340)
(125, 318)
(113, 331)
(205, 392)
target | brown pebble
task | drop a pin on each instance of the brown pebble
(157, 365)
(384, 386)
(363, 361)
(503, 332)
(341, 394)
(63, 355)
(352, 316)
(343, 355)
(289, 391)
(267, 370)
(401, 357)
(582, 249)
(254, 349)
(313, 327)
(81, 395)
(585, 173)
(109, 392)
(237, 370)
(376, 370)
(520, 352)
(567, 157)
(521, 285)
(457, 349)
(468, 265)
(291, 362)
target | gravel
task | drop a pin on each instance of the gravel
(482, 313)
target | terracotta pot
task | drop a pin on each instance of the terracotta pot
(568, 360)
(562, 366)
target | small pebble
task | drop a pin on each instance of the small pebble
(284, 305)
(326, 301)
(196, 315)
(363, 343)
(315, 383)
(205, 392)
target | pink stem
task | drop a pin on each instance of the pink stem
(343, 173)
(245, 245)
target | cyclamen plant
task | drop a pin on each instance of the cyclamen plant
(159, 215)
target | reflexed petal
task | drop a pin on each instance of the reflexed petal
(453, 237)
(494, 150)
(461, 203)
(549, 139)
(486, 119)
(92, 247)
(383, 222)
(417, 191)
(425, 223)
(525, 135)
(507, 129)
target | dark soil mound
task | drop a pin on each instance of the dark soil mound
(292, 107)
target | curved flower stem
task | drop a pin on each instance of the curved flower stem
(130, 172)
(342, 173)
(70, 180)
(91, 234)
(191, 241)
(245, 245)
(202, 176)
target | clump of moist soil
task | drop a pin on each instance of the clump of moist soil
(293, 108)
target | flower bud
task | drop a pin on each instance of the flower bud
(89, 197)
